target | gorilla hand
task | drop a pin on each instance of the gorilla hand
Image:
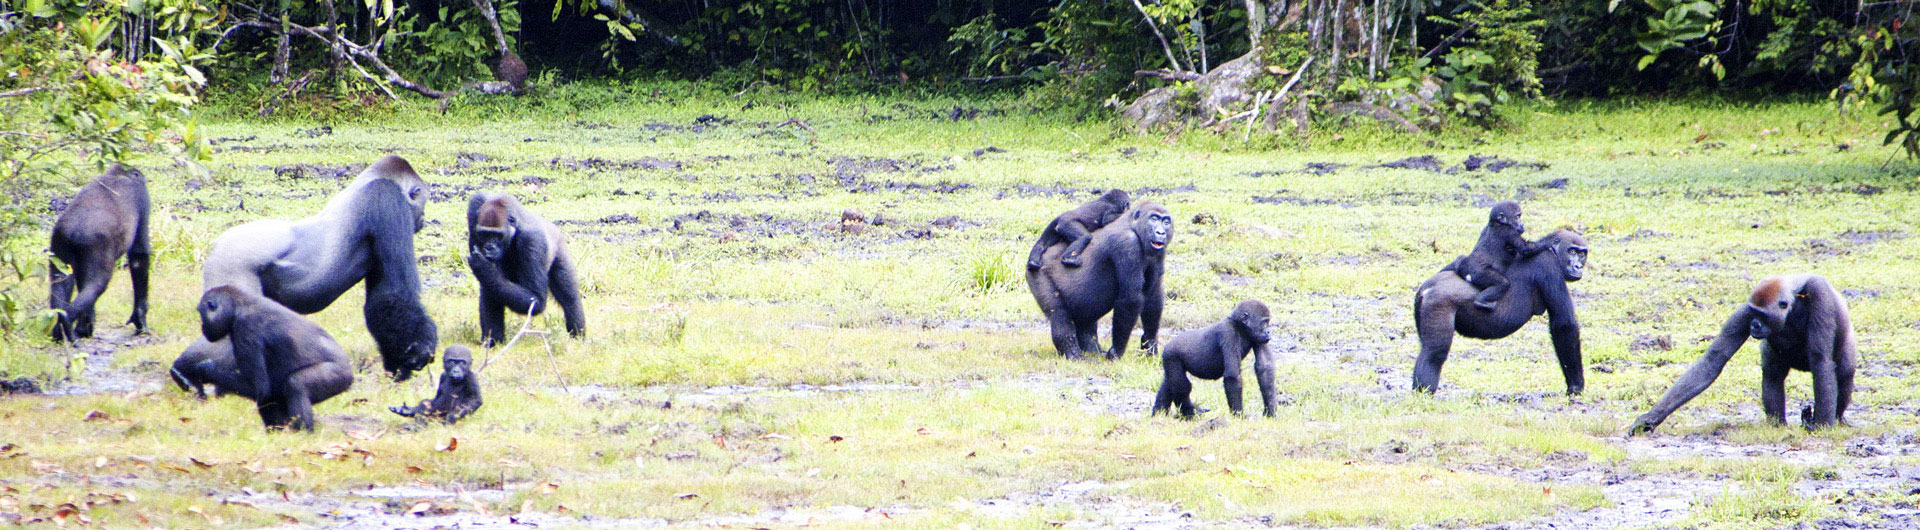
(1643, 425)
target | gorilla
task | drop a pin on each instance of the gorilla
(459, 393)
(364, 232)
(283, 362)
(1803, 324)
(106, 220)
(1499, 246)
(517, 256)
(1441, 308)
(1215, 353)
(1124, 262)
(1077, 226)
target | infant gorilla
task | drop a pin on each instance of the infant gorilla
(459, 393)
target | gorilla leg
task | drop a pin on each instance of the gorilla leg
(60, 298)
(1435, 325)
(137, 264)
(1773, 386)
(1071, 257)
(1048, 237)
(311, 385)
(1059, 323)
(274, 414)
(493, 321)
(1493, 286)
(566, 292)
(1843, 378)
(1174, 386)
(206, 362)
(93, 273)
(1088, 334)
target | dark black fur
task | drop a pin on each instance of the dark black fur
(1539, 286)
(1499, 246)
(285, 363)
(106, 220)
(459, 393)
(1077, 225)
(511, 257)
(1805, 326)
(1215, 352)
(1124, 263)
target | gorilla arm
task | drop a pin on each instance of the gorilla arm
(1733, 334)
(1820, 333)
(1565, 329)
(529, 295)
(1130, 283)
(1263, 371)
(1151, 306)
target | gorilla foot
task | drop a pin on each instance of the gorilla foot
(1484, 306)
(1033, 265)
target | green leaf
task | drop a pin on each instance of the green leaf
(1646, 60)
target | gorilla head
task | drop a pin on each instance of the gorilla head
(1572, 250)
(1251, 317)
(1506, 213)
(216, 312)
(457, 363)
(1772, 300)
(495, 226)
(1154, 225)
(400, 172)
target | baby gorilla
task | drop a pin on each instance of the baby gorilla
(1500, 245)
(459, 393)
(1215, 352)
(1077, 225)
(282, 361)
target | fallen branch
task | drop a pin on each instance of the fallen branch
(526, 328)
(1167, 74)
(1376, 112)
(21, 91)
(365, 52)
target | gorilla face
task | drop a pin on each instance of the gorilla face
(1252, 319)
(490, 243)
(1154, 226)
(457, 363)
(1507, 213)
(1769, 306)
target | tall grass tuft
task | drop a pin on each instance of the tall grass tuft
(989, 272)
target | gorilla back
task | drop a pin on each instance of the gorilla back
(1121, 271)
(1443, 307)
(364, 233)
(106, 220)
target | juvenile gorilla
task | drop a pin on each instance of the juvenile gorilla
(1215, 353)
(1499, 247)
(459, 393)
(1441, 308)
(518, 256)
(106, 220)
(1804, 325)
(1076, 227)
(364, 232)
(1124, 263)
(284, 363)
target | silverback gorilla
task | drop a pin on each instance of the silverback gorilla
(364, 232)
(459, 392)
(106, 220)
(1121, 274)
(284, 363)
(518, 256)
(1804, 325)
(1215, 352)
(1443, 305)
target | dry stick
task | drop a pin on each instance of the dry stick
(526, 328)
(1168, 48)
(1257, 100)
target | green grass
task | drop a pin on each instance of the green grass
(1686, 205)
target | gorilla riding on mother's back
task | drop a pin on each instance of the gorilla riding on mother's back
(1120, 273)
(1442, 306)
(363, 233)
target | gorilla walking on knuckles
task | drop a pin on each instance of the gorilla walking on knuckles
(1124, 263)
(1077, 226)
(459, 393)
(283, 362)
(106, 220)
(364, 232)
(1803, 324)
(1443, 306)
(518, 257)
(1499, 247)
(1215, 352)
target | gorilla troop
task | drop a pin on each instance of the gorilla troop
(459, 393)
(1123, 266)
(518, 256)
(282, 362)
(1805, 326)
(1215, 353)
(1076, 227)
(106, 220)
(364, 232)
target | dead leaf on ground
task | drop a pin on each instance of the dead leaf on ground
(686, 496)
(547, 488)
(450, 445)
(835, 438)
(94, 415)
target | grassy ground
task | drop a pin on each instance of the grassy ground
(748, 363)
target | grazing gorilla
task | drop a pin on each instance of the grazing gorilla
(1803, 324)
(107, 219)
(459, 393)
(1124, 263)
(1215, 353)
(284, 363)
(1499, 246)
(517, 256)
(1077, 226)
(1440, 309)
(364, 232)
